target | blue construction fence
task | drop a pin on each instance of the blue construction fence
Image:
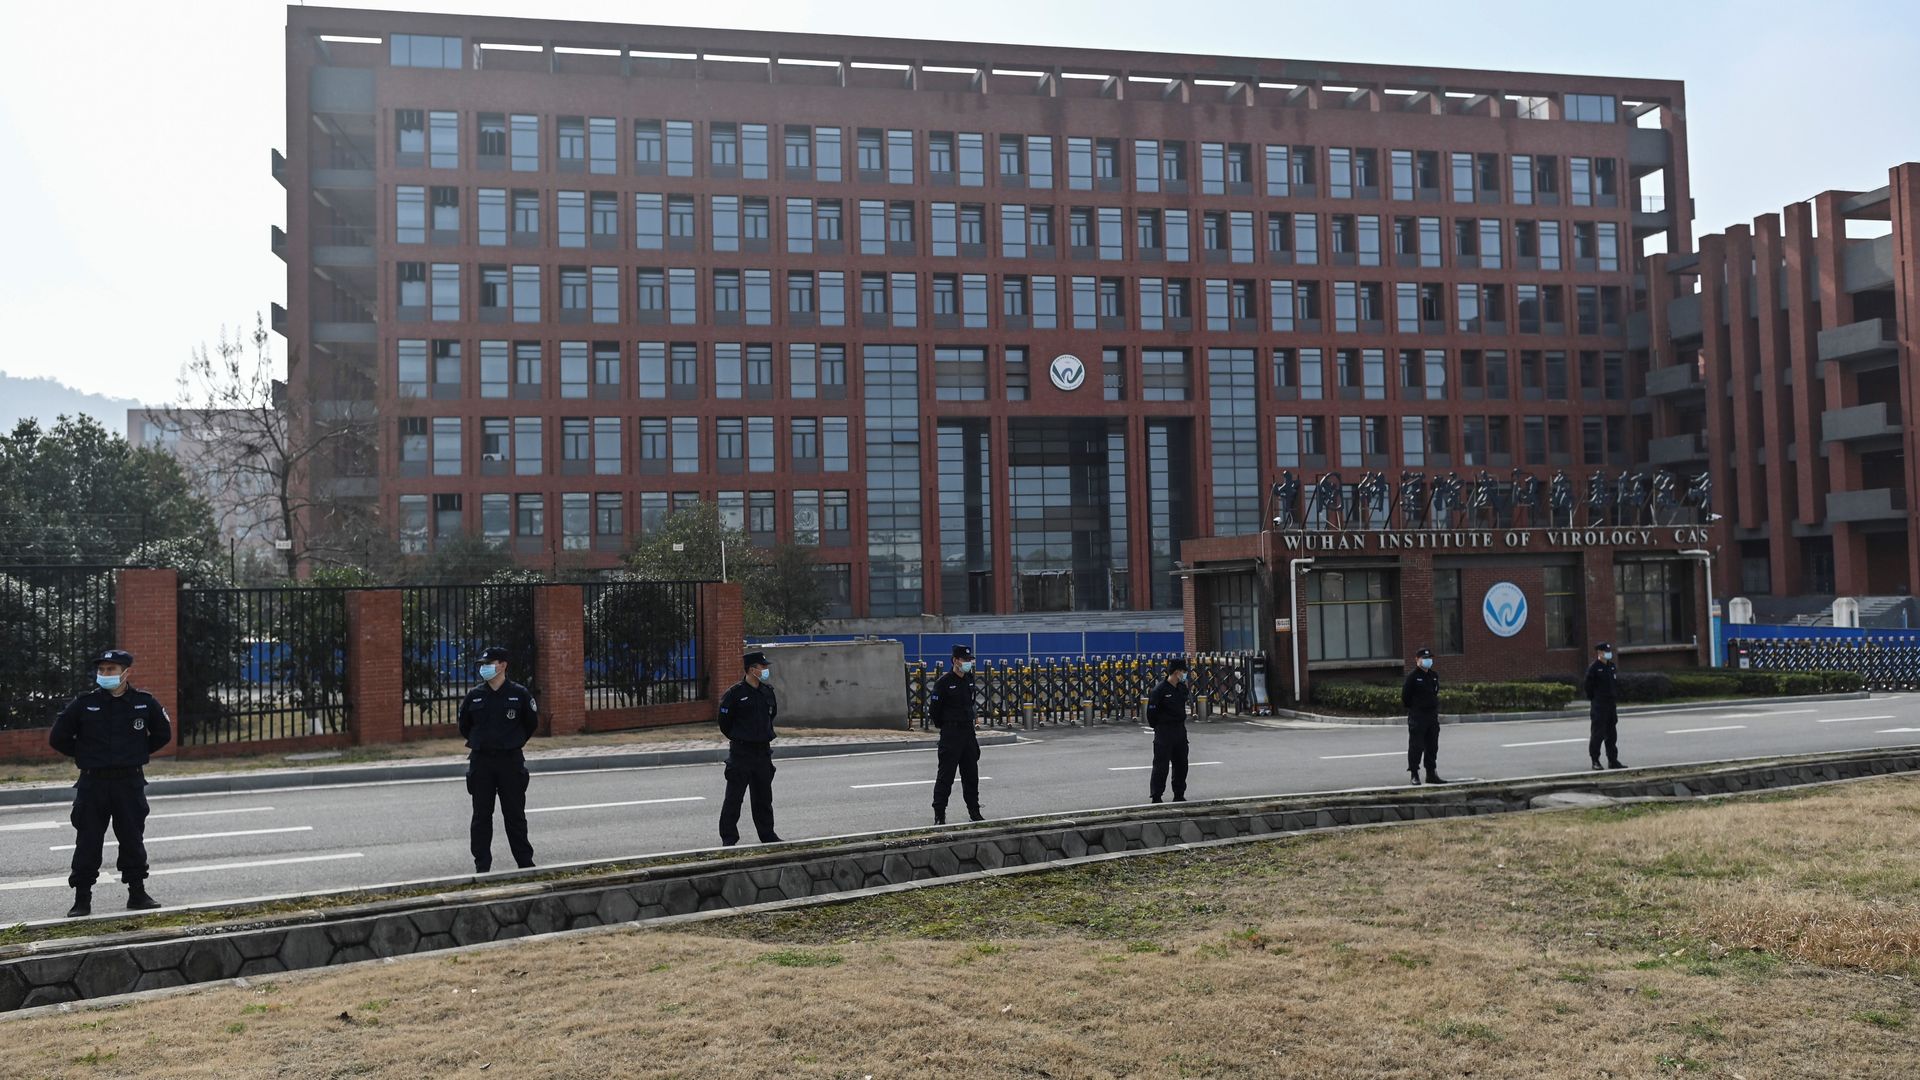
(936, 648)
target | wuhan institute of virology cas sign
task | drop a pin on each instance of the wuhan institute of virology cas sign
(1505, 609)
(1067, 372)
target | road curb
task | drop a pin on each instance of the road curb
(401, 772)
(1559, 714)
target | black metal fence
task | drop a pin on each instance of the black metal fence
(643, 643)
(260, 664)
(1886, 663)
(1045, 691)
(51, 618)
(445, 628)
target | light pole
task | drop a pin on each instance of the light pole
(1294, 574)
(1713, 622)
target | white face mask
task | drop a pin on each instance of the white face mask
(1607, 656)
(1426, 663)
(966, 667)
(766, 674)
(488, 671)
(108, 682)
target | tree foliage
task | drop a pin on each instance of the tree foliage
(781, 590)
(78, 493)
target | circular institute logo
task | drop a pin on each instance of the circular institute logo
(1505, 609)
(1067, 371)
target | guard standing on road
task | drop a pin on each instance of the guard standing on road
(1167, 716)
(746, 719)
(110, 732)
(1421, 696)
(950, 705)
(1604, 709)
(497, 719)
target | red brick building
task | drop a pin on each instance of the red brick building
(1793, 389)
(999, 328)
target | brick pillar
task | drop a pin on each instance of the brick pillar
(375, 703)
(722, 636)
(146, 623)
(560, 669)
(1190, 614)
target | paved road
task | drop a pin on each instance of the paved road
(227, 847)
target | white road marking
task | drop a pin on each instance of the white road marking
(1343, 757)
(26, 825)
(200, 836)
(1896, 730)
(898, 783)
(1850, 719)
(1139, 768)
(1542, 742)
(1698, 730)
(607, 805)
(211, 813)
(61, 882)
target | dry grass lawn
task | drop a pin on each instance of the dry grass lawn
(701, 734)
(1762, 938)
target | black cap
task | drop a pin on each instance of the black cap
(1605, 646)
(496, 653)
(113, 656)
(961, 652)
(1178, 663)
(753, 658)
(1426, 654)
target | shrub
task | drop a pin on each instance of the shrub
(1644, 686)
(1703, 684)
(1801, 682)
(1378, 699)
(1459, 699)
(1525, 696)
(1840, 682)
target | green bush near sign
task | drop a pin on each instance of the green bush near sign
(1559, 691)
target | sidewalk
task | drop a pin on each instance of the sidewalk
(612, 754)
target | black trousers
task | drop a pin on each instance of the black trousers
(1168, 755)
(501, 777)
(120, 801)
(1423, 742)
(963, 758)
(748, 771)
(1604, 730)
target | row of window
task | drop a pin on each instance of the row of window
(1446, 442)
(741, 151)
(518, 445)
(661, 222)
(434, 368)
(816, 518)
(432, 292)
(1354, 614)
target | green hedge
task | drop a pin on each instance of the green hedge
(1383, 699)
(1551, 692)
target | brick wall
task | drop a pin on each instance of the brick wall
(146, 618)
(376, 708)
(560, 628)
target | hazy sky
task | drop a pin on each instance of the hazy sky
(134, 137)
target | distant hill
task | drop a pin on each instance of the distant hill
(45, 399)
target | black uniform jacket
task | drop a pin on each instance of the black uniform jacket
(1421, 694)
(950, 706)
(1167, 711)
(499, 720)
(747, 712)
(100, 731)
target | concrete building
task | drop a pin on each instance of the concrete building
(1782, 360)
(999, 328)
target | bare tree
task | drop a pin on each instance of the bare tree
(256, 451)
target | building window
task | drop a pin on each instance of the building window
(424, 51)
(1351, 615)
(1563, 606)
(1655, 602)
(1590, 108)
(1449, 635)
(1165, 375)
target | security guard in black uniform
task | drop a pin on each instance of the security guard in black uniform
(1421, 696)
(110, 732)
(497, 719)
(1603, 701)
(1167, 716)
(951, 707)
(746, 719)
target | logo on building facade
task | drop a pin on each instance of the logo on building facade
(1067, 372)
(1505, 609)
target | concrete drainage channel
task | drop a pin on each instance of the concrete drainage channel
(57, 971)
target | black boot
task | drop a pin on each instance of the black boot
(1179, 798)
(1415, 773)
(1434, 777)
(82, 902)
(1596, 765)
(1615, 764)
(975, 815)
(1156, 798)
(939, 815)
(139, 900)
